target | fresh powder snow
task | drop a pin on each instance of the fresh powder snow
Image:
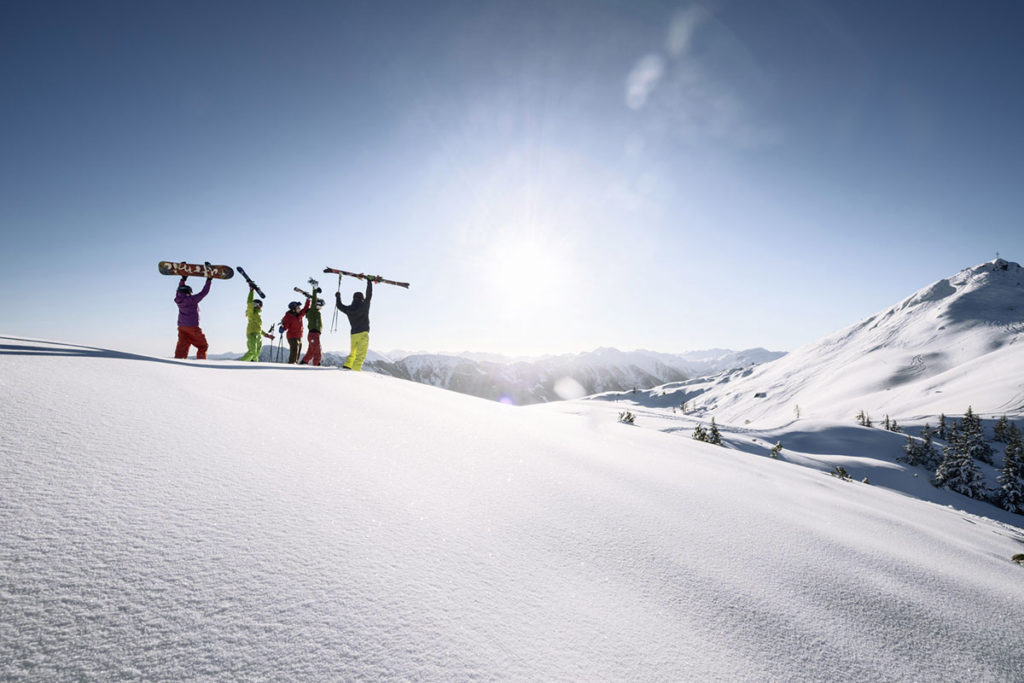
(221, 520)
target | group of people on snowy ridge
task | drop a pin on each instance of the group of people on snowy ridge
(358, 313)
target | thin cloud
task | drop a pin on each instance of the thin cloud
(643, 79)
(682, 28)
(685, 98)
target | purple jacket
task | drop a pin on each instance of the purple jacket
(188, 305)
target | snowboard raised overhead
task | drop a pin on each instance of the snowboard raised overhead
(195, 270)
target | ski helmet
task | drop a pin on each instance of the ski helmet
(185, 289)
(320, 303)
(357, 298)
(257, 302)
(292, 305)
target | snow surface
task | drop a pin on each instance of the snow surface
(219, 520)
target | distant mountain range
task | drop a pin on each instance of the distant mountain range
(524, 381)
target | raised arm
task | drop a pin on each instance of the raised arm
(203, 292)
(248, 303)
(369, 289)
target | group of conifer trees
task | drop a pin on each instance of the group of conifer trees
(955, 463)
(712, 436)
(955, 460)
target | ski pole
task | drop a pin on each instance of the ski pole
(334, 320)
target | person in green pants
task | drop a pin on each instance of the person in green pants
(358, 313)
(254, 330)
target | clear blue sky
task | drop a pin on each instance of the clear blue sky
(549, 176)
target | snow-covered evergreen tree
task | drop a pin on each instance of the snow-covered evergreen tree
(958, 472)
(699, 433)
(1011, 478)
(931, 456)
(1002, 425)
(714, 436)
(974, 434)
(942, 431)
(920, 451)
(913, 451)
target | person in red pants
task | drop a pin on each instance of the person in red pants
(189, 332)
(315, 321)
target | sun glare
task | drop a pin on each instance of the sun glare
(522, 272)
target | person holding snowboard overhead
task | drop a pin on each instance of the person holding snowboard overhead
(254, 333)
(316, 326)
(291, 327)
(189, 332)
(358, 313)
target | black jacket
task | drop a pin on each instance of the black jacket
(358, 314)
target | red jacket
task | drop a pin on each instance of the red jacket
(293, 322)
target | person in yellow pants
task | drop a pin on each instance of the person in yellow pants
(254, 329)
(358, 313)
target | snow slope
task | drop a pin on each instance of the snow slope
(220, 520)
(954, 344)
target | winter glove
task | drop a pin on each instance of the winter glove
(280, 330)
(317, 290)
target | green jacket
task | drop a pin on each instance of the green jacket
(254, 315)
(313, 318)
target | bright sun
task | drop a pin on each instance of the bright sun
(522, 272)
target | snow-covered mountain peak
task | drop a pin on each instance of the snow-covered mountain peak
(978, 309)
(917, 357)
(990, 293)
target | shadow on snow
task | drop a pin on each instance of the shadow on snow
(35, 347)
